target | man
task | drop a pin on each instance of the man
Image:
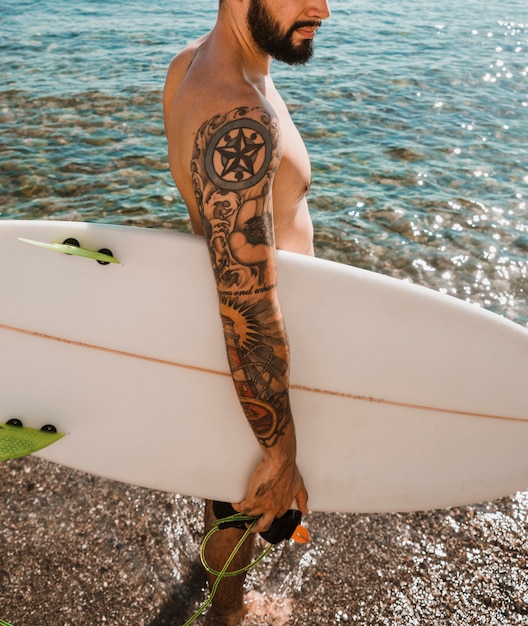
(243, 172)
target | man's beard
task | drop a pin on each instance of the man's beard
(266, 32)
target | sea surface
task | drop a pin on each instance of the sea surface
(416, 119)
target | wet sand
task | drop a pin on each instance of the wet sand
(78, 550)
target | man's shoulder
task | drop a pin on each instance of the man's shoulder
(209, 91)
(182, 61)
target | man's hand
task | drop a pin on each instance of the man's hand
(273, 487)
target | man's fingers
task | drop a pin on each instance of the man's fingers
(266, 519)
(264, 523)
(238, 506)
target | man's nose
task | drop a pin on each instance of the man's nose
(319, 9)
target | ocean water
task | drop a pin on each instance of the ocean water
(416, 119)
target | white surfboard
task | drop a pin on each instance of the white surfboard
(403, 398)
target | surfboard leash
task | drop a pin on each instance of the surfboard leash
(284, 528)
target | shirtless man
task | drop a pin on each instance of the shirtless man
(243, 172)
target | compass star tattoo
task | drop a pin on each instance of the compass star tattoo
(238, 155)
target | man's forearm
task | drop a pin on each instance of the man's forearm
(258, 355)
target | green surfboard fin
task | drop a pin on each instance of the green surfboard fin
(16, 441)
(73, 250)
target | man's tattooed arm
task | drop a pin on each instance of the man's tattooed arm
(235, 159)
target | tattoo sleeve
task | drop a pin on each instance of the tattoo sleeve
(234, 161)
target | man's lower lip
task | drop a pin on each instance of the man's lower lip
(309, 33)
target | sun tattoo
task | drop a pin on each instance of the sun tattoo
(244, 317)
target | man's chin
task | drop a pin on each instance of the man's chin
(298, 55)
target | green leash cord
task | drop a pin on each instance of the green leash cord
(223, 573)
(2, 623)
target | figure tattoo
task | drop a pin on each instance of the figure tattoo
(234, 161)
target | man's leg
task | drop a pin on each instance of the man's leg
(228, 603)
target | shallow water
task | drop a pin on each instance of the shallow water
(416, 119)
(417, 129)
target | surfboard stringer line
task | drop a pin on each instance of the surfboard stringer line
(205, 370)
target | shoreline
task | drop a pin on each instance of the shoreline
(77, 549)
